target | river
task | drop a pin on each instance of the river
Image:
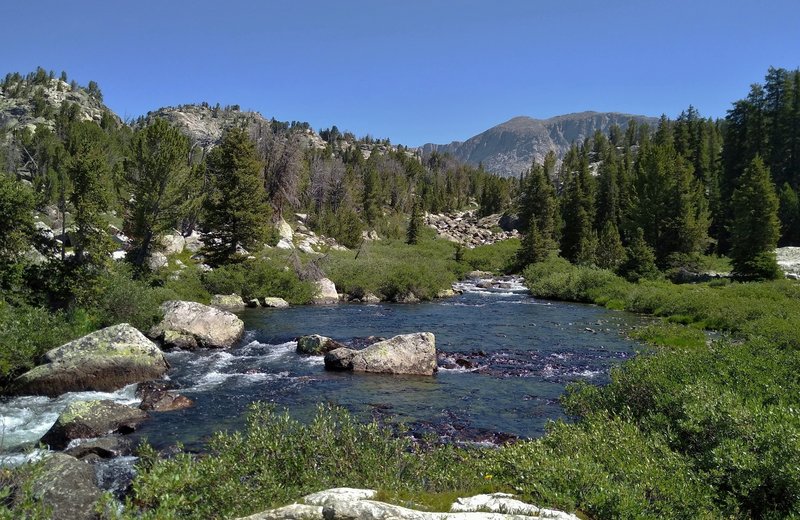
(504, 359)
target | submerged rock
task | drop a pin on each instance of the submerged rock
(68, 487)
(350, 504)
(105, 360)
(316, 345)
(157, 396)
(102, 448)
(403, 354)
(207, 326)
(89, 419)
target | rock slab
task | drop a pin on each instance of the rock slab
(404, 354)
(188, 323)
(90, 419)
(104, 361)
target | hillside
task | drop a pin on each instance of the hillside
(510, 148)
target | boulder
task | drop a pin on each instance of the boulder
(108, 447)
(351, 504)
(157, 397)
(157, 260)
(284, 230)
(446, 293)
(284, 244)
(325, 292)
(403, 354)
(193, 242)
(252, 303)
(316, 345)
(208, 326)
(405, 297)
(370, 298)
(277, 303)
(68, 487)
(89, 419)
(172, 244)
(105, 360)
(228, 301)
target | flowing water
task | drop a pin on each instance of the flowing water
(504, 359)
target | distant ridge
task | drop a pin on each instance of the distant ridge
(509, 148)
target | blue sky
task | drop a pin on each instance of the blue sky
(413, 71)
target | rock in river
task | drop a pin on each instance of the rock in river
(403, 354)
(316, 345)
(89, 419)
(68, 487)
(188, 323)
(325, 292)
(105, 360)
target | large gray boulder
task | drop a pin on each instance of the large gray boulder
(186, 324)
(172, 244)
(403, 354)
(105, 360)
(276, 303)
(325, 292)
(89, 419)
(360, 504)
(68, 487)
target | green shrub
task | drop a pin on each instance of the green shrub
(257, 279)
(496, 258)
(277, 459)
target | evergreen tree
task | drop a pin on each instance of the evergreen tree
(537, 202)
(414, 224)
(16, 232)
(610, 251)
(235, 208)
(641, 261)
(789, 216)
(578, 240)
(88, 172)
(535, 247)
(755, 228)
(156, 176)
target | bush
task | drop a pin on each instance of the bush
(277, 459)
(496, 258)
(257, 279)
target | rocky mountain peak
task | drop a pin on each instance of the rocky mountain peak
(511, 147)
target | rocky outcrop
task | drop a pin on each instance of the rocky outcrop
(403, 354)
(68, 487)
(316, 345)
(352, 504)
(89, 419)
(325, 292)
(468, 229)
(189, 324)
(232, 302)
(105, 360)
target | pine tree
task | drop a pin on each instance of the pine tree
(156, 176)
(789, 216)
(537, 209)
(414, 224)
(16, 234)
(88, 173)
(578, 240)
(755, 227)
(610, 251)
(236, 211)
(641, 261)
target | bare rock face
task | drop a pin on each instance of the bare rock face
(105, 360)
(68, 486)
(206, 326)
(352, 504)
(89, 419)
(403, 354)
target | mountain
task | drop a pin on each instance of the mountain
(510, 148)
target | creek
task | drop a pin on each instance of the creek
(504, 359)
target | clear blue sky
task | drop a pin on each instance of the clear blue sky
(413, 71)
